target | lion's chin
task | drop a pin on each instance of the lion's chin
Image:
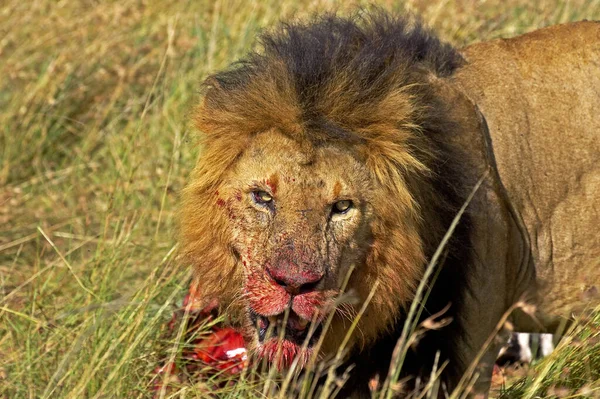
(280, 344)
(283, 353)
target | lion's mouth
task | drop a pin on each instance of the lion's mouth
(296, 330)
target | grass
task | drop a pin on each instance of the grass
(572, 370)
(94, 147)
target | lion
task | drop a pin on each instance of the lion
(336, 158)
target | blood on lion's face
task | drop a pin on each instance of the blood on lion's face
(298, 222)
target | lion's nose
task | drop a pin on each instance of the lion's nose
(295, 281)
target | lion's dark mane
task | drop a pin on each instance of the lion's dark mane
(377, 53)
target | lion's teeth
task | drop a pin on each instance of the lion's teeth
(303, 323)
(272, 319)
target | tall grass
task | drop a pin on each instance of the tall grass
(94, 147)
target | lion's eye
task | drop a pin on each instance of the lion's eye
(262, 197)
(342, 206)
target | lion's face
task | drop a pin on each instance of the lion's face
(299, 218)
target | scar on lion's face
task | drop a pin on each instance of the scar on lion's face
(299, 219)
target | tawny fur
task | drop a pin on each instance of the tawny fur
(377, 108)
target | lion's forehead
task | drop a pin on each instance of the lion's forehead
(301, 168)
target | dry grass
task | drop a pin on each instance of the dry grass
(95, 146)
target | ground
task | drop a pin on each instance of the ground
(95, 144)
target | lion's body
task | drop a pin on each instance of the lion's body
(540, 95)
(394, 128)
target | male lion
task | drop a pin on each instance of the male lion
(352, 143)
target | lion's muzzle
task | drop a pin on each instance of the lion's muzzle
(285, 296)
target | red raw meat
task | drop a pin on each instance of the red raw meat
(223, 349)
